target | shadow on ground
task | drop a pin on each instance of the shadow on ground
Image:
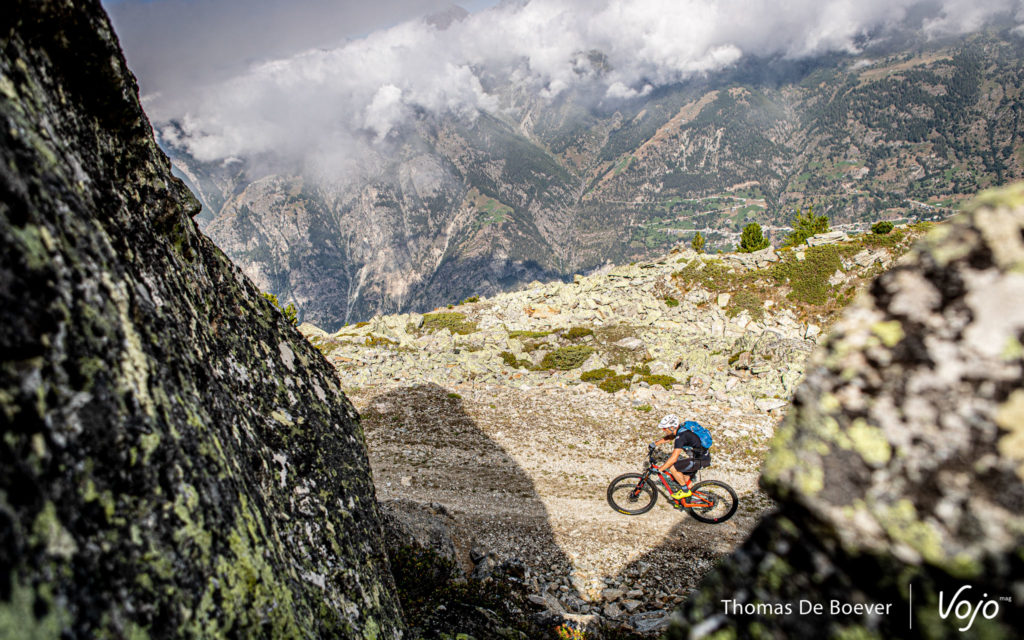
(424, 447)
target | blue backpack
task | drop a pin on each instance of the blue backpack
(699, 431)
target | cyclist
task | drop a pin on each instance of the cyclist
(680, 467)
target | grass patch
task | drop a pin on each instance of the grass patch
(454, 322)
(529, 334)
(566, 358)
(577, 333)
(510, 359)
(615, 383)
(670, 301)
(596, 375)
(808, 278)
(606, 380)
(746, 300)
(606, 337)
(646, 408)
(379, 341)
(876, 240)
(664, 381)
(712, 275)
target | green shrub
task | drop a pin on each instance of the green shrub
(324, 345)
(642, 369)
(578, 332)
(881, 227)
(615, 383)
(808, 279)
(646, 408)
(746, 300)
(291, 313)
(671, 302)
(596, 375)
(665, 381)
(454, 322)
(379, 341)
(888, 240)
(713, 275)
(752, 239)
(806, 225)
(470, 300)
(528, 334)
(510, 359)
(565, 358)
(454, 396)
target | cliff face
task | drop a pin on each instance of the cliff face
(176, 459)
(899, 469)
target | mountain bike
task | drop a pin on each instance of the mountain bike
(712, 501)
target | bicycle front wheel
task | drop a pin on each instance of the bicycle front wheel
(631, 494)
(717, 502)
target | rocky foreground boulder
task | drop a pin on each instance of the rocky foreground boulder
(899, 471)
(176, 459)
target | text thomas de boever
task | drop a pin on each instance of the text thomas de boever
(806, 608)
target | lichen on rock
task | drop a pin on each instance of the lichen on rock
(899, 467)
(176, 459)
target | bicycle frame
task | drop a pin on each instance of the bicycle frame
(696, 499)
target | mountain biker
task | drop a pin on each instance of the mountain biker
(677, 466)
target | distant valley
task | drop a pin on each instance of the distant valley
(451, 208)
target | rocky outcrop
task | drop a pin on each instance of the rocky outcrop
(899, 472)
(718, 326)
(176, 460)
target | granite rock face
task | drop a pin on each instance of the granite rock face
(899, 469)
(176, 459)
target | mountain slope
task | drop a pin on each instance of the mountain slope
(449, 208)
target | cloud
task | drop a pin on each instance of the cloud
(321, 99)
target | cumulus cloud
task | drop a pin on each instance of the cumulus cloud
(365, 88)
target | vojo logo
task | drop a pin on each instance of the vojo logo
(964, 611)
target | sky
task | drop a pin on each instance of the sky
(314, 79)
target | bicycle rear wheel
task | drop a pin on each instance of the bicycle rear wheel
(631, 494)
(718, 499)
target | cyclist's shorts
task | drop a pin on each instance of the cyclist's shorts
(687, 465)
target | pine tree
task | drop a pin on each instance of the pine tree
(805, 226)
(698, 243)
(752, 239)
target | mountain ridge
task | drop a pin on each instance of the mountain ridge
(547, 190)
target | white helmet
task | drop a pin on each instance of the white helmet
(671, 421)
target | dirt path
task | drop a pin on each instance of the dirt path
(525, 472)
